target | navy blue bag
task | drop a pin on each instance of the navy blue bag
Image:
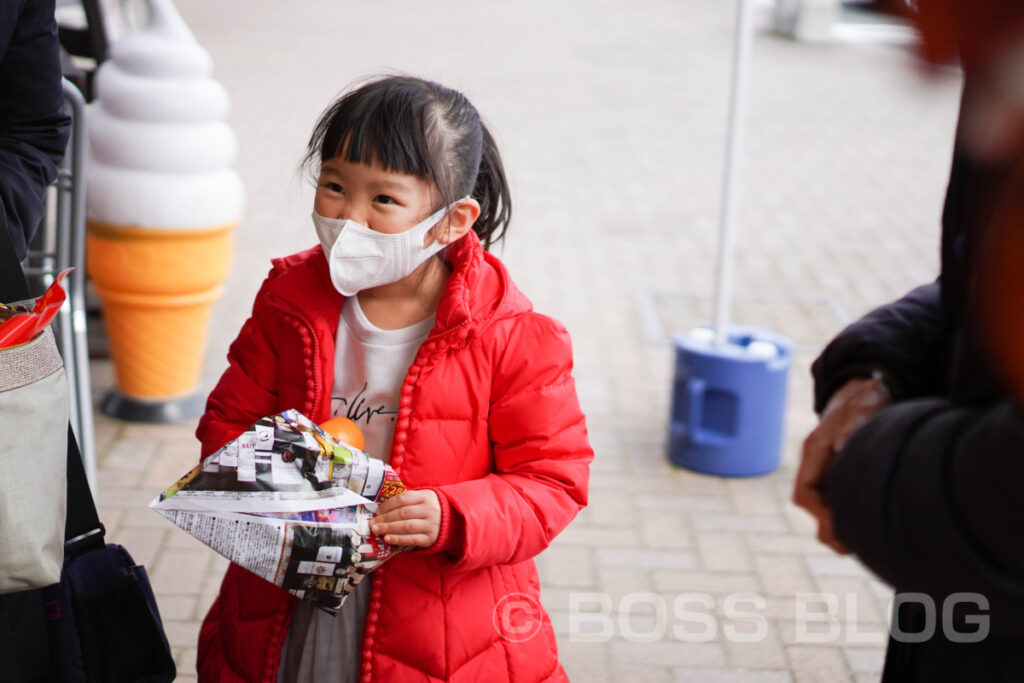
(102, 617)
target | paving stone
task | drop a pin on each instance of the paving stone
(182, 634)
(609, 464)
(577, 534)
(169, 465)
(105, 430)
(154, 438)
(620, 582)
(710, 521)
(695, 675)
(753, 496)
(723, 552)
(669, 653)
(605, 509)
(175, 573)
(130, 453)
(764, 653)
(793, 544)
(697, 484)
(143, 516)
(783, 574)
(680, 502)
(631, 671)
(650, 558)
(813, 627)
(585, 661)
(109, 478)
(178, 607)
(715, 583)
(817, 664)
(568, 566)
(639, 486)
(855, 600)
(111, 517)
(664, 528)
(800, 521)
(865, 659)
(143, 544)
(781, 607)
(835, 565)
(186, 663)
(132, 500)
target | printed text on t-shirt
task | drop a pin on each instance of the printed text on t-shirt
(356, 409)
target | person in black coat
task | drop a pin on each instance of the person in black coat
(33, 134)
(917, 465)
(34, 128)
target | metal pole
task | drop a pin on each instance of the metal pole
(72, 249)
(730, 183)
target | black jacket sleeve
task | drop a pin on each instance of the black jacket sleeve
(33, 127)
(904, 337)
(929, 495)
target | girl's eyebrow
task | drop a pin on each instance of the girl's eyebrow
(391, 185)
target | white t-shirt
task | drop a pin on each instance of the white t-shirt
(370, 365)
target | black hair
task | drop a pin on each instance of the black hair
(415, 126)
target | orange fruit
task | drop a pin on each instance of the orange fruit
(345, 431)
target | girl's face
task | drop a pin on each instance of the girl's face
(383, 201)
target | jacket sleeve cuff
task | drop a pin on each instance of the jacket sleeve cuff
(827, 384)
(451, 535)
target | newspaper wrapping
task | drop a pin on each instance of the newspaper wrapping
(290, 503)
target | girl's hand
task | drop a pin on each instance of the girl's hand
(411, 518)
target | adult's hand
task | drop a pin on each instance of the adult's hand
(850, 407)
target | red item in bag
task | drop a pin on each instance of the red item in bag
(21, 321)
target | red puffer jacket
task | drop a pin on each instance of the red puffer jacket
(488, 418)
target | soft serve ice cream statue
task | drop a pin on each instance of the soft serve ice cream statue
(162, 200)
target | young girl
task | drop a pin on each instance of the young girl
(400, 319)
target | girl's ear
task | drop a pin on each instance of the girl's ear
(459, 221)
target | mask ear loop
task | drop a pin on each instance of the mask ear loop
(443, 211)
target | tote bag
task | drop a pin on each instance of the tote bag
(33, 477)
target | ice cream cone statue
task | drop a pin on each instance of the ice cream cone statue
(161, 204)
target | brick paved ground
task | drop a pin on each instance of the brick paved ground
(612, 121)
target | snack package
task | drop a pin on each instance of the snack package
(21, 321)
(290, 503)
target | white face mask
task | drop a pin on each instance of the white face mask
(360, 258)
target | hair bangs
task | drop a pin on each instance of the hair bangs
(382, 128)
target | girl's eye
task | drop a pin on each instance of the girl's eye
(333, 187)
(384, 199)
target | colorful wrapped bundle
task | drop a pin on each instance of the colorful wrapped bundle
(290, 503)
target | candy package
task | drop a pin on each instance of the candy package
(290, 503)
(21, 321)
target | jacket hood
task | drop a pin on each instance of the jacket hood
(479, 292)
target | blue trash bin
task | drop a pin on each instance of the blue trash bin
(729, 402)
